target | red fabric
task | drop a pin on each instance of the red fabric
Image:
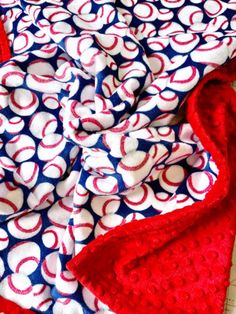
(178, 262)
(4, 45)
(9, 307)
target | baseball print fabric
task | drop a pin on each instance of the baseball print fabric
(93, 133)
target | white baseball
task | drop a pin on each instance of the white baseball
(106, 13)
(172, 4)
(23, 102)
(154, 174)
(158, 43)
(24, 257)
(43, 84)
(107, 223)
(7, 163)
(52, 237)
(214, 8)
(198, 160)
(105, 204)
(212, 53)
(130, 50)
(49, 268)
(55, 14)
(111, 44)
(79, 8)
(171, 178)
(129, 3)
(159, 63)
(66, 283)
(167, 101)
(17, 288)
(27, 173)
(20, 148)
(83, 224)
(51, 146)
(93, 60)
(23, 42)
(139, 120)
(55, 168)
(4, 240)
(184, 79)
(145, 30)
(41, 67)
(41, 38)
(140, 198)
(66, 187)
(170, 28)
(165, 14)
(15, 125)
(11, 198)
(102, 185)
(26, 226)
(15, 79)
(42, 123)
(133, 216)
(177, 201)
(184, 43)
(2, 269)
(190, 14)
(145, 11)
(213, 166)
(134, 167)
(2, 172)
(66, 306)
(92, 301)
(50, 101)
(60, 212)
(49, 201)
(78, 45)
(3, 123)
(67, 246)
(81, 195)
(4, 96)
(131, 69)
(183, 200)
(180, 151)
(200, 183)
(120, 145)
(59, 30)
(47, 51)
(40, 194)
(42, 298)
(160, 201)
(186, 134)
(166, 133)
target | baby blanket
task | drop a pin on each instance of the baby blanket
(117, 171)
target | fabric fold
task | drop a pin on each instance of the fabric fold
(180, 261)
(93, 138)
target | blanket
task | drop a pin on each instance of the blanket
(117, 171)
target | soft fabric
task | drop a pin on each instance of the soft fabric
(93, 137)
(178, 262)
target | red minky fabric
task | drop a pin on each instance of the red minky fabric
(4, 45)
(178, 262)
